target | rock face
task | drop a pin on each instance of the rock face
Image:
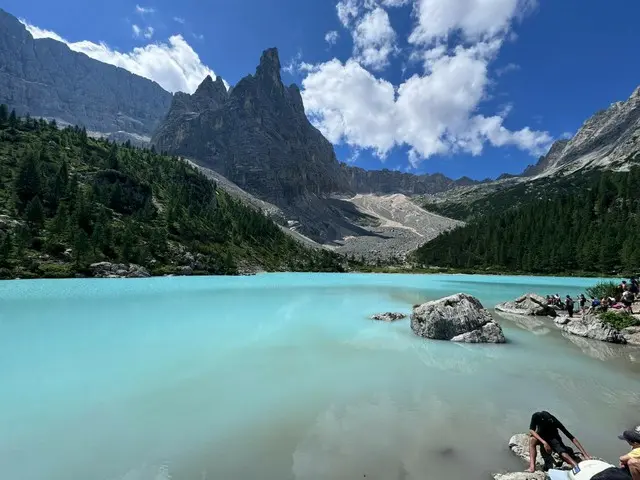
(590, 326)
(385, 181)
(632, 335)
(606, 140)
(388, 317)
(459, 318)
(44, 78)
(118, 270)
(258, 136)
(528, 304)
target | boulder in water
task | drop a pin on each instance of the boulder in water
(529, 304)
(590, 326)
(388, 316)
(459, 318)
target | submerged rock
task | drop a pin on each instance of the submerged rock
(529, 304)
(388, 316)
(590, 326)
(459, 318)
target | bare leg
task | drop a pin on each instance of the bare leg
(567, 458)
(533, 453)
(634, 468)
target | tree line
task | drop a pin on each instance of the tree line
(68, 200)
(588, 223)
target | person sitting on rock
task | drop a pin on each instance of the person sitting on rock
(544, 432)
(595, 304)
(631, 461)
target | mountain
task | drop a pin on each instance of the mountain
(68, 201)
(258, 136)
(605, 141)
(44, 78)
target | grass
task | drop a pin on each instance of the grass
(619, 321)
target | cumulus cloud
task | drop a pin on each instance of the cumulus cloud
(140, 32)
(374, 39)
(347, 10)
(331, 37)
(436, 111)
(474, 19)
(174, 65)
(432, 114)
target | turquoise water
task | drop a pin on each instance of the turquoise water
(282, 376)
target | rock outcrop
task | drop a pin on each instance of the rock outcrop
(528, 304)
(45, 78)
(519, 445)
(537, 475)
(590, 326)
(118, 270)
(632, 335)
(388, 316)
(458, 318)
(606, 140)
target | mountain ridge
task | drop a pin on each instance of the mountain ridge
(45, 78)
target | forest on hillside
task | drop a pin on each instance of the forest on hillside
(588, 223)
(68, 200)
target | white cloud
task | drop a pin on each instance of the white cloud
(347, 10)
(179, 20)
(433, 114)
(509, 67)
(331, 37)
(144, 10)
(136, 30)
(374, 39)
(174, 65)
(474, 19)
(395, 3)
(148, 32)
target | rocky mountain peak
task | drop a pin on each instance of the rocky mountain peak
(269, 67)
(210, 94)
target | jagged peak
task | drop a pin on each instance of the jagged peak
(209, 88)
(269, 67)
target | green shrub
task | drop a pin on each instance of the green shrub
(55, 270)
(603, 289)
(619, 320)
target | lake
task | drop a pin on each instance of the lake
(282, 376)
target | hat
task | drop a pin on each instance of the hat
(632, 436)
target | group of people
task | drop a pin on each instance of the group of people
(625, 296)
(544, 432)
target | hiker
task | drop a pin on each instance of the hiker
(635, 286)
(595, 304)
(631, 460)
(583, 302)
(544, 432)
(627, 300)
(569, 304)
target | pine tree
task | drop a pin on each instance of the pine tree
(80, 246)
(6, 247)
(28, 183)
(34, 214)
(13, 119)
(4, 114)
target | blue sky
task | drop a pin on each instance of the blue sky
(462, 87)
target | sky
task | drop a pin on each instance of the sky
(463, 87)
